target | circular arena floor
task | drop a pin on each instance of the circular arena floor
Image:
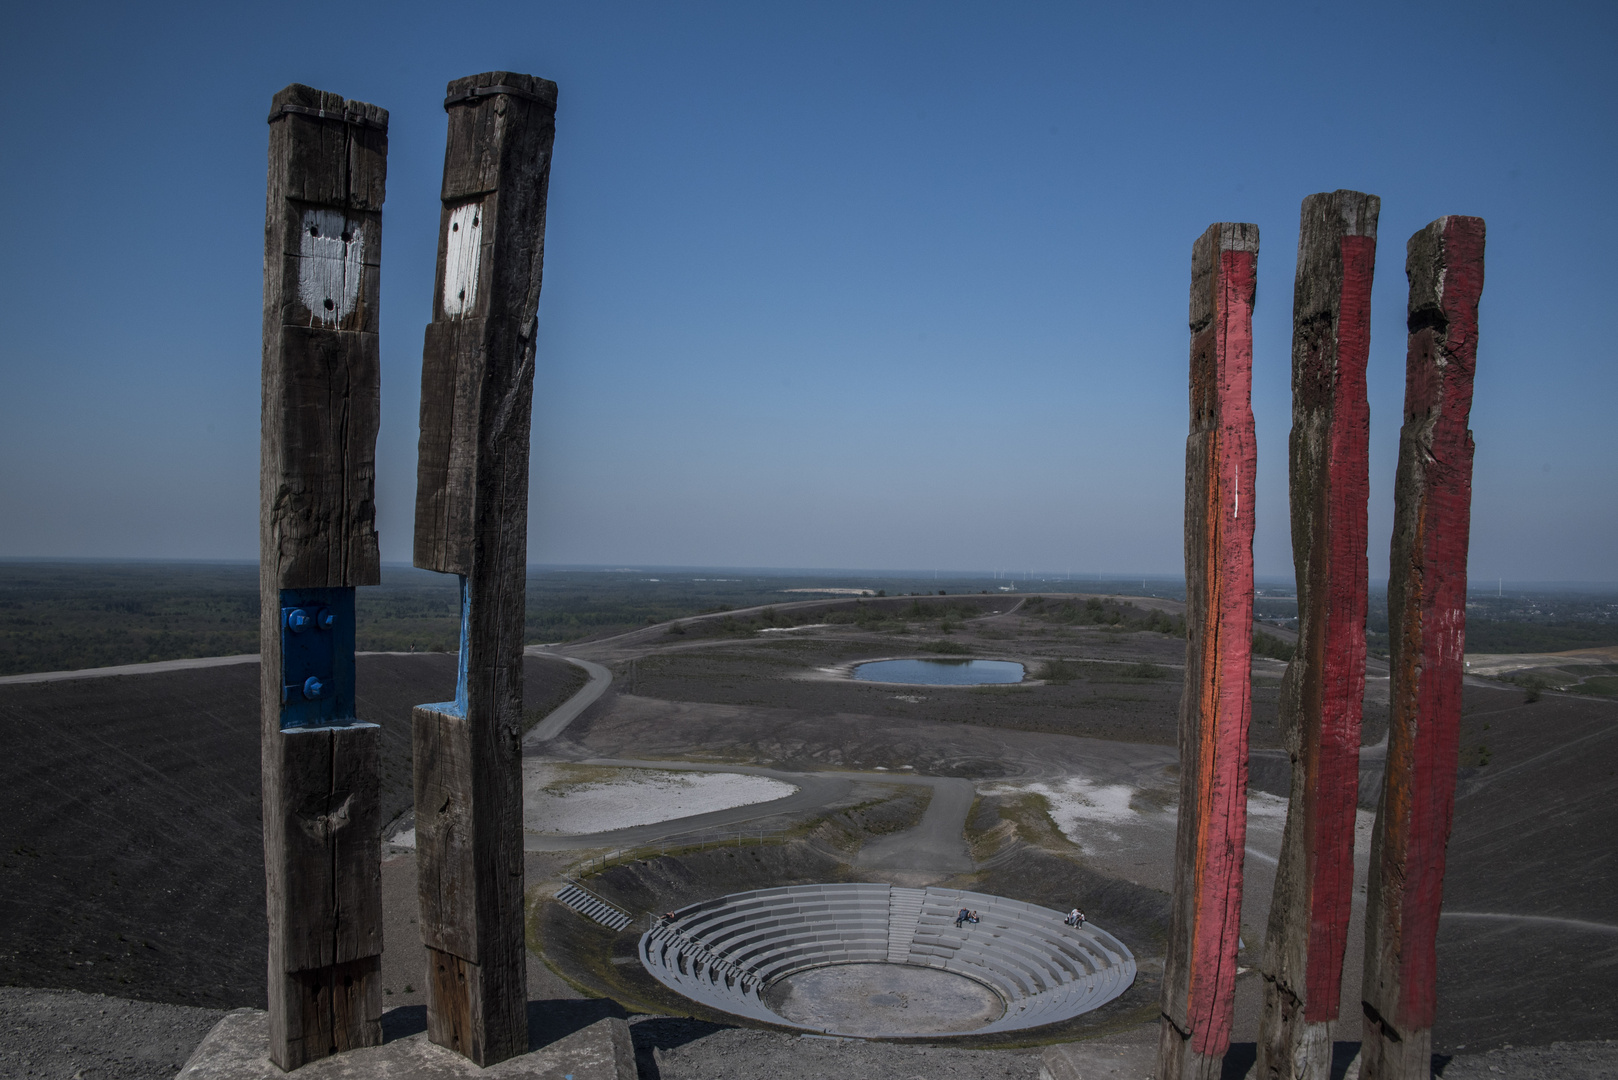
(880, 961)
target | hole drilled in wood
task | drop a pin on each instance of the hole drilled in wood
(330, 269)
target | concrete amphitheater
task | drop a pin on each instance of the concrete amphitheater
(902, 965)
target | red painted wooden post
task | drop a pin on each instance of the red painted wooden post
(477, 386)
(1324, 686)
(1432, 508)
(317, 541)
(1199, 977)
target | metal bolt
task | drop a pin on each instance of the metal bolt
(313, 688)
(325, 619)
(298, 620)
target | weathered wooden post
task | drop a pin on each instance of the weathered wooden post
(477, 383)
(317, 541)
(1432, 510)
(1199, 977)
(1323, 690)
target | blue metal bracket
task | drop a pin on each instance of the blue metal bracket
(458, 706)
(317, 658)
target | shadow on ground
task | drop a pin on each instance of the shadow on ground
(548, 1021)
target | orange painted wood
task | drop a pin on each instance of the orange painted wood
(1216, 707)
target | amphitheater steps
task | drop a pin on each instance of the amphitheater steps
(592, 906)
(904, 912)
(725, 952)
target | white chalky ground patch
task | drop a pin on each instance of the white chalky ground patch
(551, 806)
(463, 254)
(331, 261)
(1078, 804)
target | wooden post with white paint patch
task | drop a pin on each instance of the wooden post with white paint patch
(1324, 686)
(1199, 974)
(471, 520)
(1432, 517)
(317, 541)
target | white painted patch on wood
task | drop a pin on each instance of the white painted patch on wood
(331, 263)
(463, 254)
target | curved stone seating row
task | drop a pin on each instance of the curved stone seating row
(726, 952)
(1042, 968)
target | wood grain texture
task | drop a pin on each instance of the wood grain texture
(477, 364)
(1432, 499)
(1216, 706)
(322, 391)
(1324, 686)
(321, 404)
(471, 520)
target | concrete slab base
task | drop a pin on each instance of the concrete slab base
(238, 1049)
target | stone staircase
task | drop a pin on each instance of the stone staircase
(904, 912)
(592, 906)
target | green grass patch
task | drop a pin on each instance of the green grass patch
(1108, 614)
(1271, 646)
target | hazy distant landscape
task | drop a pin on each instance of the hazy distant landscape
(64, 616)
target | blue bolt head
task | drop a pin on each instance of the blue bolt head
(313, 688)
(325, 619)
(298, 620)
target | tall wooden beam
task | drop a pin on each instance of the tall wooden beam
(1323, 690)
(317, 541)
(1199, 977)
(477, 385)
(1432, 510)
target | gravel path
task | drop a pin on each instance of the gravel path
(564, 714)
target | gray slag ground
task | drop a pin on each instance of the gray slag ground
(60, 1035)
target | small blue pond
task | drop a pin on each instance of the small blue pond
(940, 672)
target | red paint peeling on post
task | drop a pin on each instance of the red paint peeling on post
(1427, 608)
(1445, 532)
(1338, 754)
(1222, 825)
(1200, 971)
(1319, 705)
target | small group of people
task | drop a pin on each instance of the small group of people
(1074, 918)
(965, 916)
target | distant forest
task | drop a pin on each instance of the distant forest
(61, 616)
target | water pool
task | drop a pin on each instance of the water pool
(940, 672)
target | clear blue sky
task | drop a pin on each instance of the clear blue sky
(827, 285)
